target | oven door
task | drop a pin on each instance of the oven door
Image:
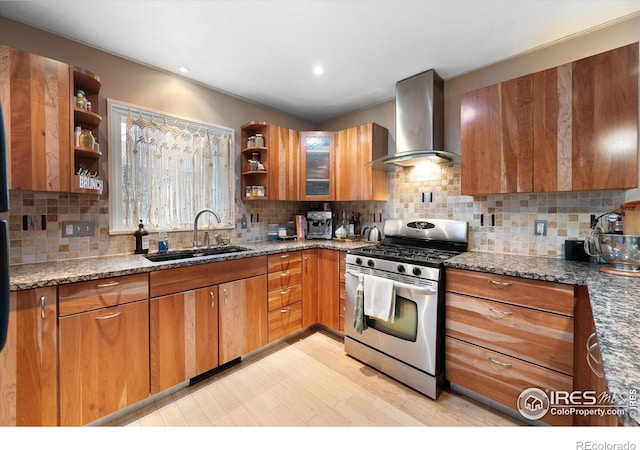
(411, 337)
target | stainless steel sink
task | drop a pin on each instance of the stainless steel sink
(194, 253)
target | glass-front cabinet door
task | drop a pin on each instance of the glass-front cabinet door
(317, 165)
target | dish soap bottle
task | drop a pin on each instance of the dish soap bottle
(142, 240)
(163, 242)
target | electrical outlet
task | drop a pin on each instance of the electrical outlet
(78, 229)
(243, 222)
(540, 228)
(34, 222)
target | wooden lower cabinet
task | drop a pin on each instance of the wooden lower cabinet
(243, 317)
(341, 290)
(499, 377)
(309, 287)
(183, 336)
(506, 334)
(539, 337)
(285, 321)
(589, 372)
(104, 361)
(284, 303)
(329, 288)
(29, 360)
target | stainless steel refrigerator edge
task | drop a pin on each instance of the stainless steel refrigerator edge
(4, 236)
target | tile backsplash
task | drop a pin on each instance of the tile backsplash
(510, 231)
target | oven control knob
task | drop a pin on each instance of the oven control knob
(401, 268)
(417, 271)
(370, 263)
(358, 260)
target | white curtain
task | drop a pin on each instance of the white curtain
(172, 169)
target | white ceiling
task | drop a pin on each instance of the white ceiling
(264, 51)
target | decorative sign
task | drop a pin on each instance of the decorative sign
(88, 180)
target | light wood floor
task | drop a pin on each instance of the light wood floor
(309, 381)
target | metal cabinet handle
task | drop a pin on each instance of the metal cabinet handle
(225, 295)
(284, 262)
(213, 299)
(499, 283)
(497, 311)
(106, 285)
(592, 344)
(285, 310)
(495, 361)
(42, 299)
(109, 316)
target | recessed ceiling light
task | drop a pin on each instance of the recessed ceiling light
(184, 69)
(318, 69)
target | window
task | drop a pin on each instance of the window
(164, 169)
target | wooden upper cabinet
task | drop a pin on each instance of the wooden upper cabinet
(317, 165)
(284, 144)
(552, 129)
(569, 128)
(278, 154)
(605, 120)
(497, 138)
(36, 101)
(355, 147)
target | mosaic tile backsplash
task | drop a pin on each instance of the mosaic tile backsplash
(511, 232)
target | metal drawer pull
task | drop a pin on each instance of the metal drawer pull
(109, 316)
(497, 311)
(285, 310)
(225, 296)
(495, 361)
(106, 285)
(42, 298)
(592, 344)
(499, 283)
(213, 299)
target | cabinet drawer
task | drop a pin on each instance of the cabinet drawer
(180, 279)
(535, 336)
(284, 261)
(89, 295)
(285, 278)
(279, 298)
(499, 377)
(553, 297)
(285, 321)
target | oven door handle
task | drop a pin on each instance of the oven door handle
(417, 289)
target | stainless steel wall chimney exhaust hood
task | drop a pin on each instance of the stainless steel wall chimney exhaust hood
(419, 122)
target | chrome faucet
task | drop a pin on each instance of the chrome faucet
(195, 224)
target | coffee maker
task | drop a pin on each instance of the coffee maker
(319, 225)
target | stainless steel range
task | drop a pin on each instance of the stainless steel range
(406, 273)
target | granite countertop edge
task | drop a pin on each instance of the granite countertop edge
(53, 273)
